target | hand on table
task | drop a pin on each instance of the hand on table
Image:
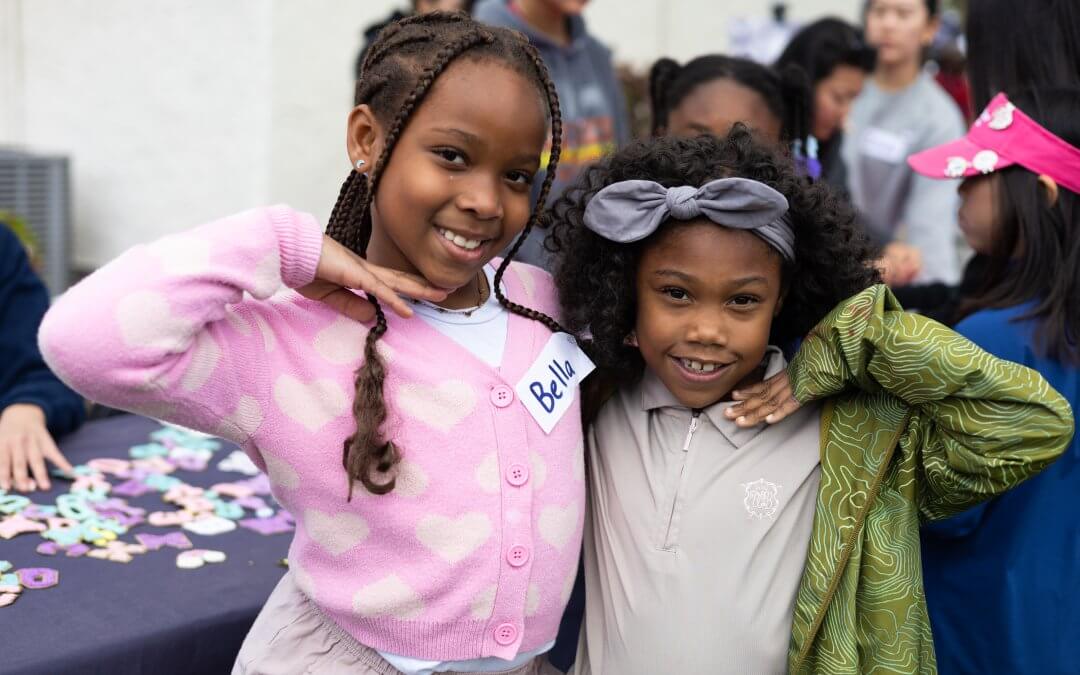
(341, 271)
(899, 264)
(769, 401)
(25, 444)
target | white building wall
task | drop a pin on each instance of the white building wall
(175, 112)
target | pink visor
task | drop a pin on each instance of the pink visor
(1001, 137)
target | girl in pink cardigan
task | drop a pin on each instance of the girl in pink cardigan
(439, 491)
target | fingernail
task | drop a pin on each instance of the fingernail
(769, 418)
(741, 420)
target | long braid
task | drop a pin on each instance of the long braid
(390, 63)
(541, 201)
(366, 452)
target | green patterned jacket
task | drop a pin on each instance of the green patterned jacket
(919, 424)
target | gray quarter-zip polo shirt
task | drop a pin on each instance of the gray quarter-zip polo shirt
(696, 535)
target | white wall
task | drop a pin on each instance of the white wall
(178, 111)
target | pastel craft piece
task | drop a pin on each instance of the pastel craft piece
(127, 521)
(181, 491)
(73, 507)
(98, 537)
(196, 558)
(76, 550)
(234, 490)
(82, 470)
(168, 434)
(8, 598)
(48, 548)
(132, 488)
(117, 551)
(38, 578)
(153, 542)
(17, 524)
(161, 482)
(202, 444)
(210, 525)
(154, 465)
(197, 505)
(264, 513)
(39, 512)
(10, 580)
(229, 510)
(92, 493)
(260, 484)
(64, 537)
(146, 450)
(238, 461)
(121, 468)
(93, 528)
(10, 504)
(169, 518)
(251, 502)
(115, 505)
(278, 524)
(5, 566)
(185, 451)
(190, 462)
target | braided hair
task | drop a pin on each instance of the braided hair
(786, 91)
(397, 73)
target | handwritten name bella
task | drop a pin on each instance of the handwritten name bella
(547, 395)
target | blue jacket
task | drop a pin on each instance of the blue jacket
(1003, 579)
(24, 377)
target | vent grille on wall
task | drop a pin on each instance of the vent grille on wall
(36, 189)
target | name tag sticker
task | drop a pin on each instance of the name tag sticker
(549, 387)
(886, 146)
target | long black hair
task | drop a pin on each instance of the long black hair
(596, 277)
(1036, 249)
(1014, 44)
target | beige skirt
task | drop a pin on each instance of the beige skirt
(292, 637)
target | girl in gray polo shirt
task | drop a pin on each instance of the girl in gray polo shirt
(714, 544)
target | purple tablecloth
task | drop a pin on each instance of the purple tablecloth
(146, 616)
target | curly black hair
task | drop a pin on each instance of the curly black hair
(596, 278)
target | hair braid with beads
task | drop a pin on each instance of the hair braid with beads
(397, 73)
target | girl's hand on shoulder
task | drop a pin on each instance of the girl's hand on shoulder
(340, 272)
(770, 401)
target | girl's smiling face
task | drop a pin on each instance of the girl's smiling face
(706, 299)
(456, 190)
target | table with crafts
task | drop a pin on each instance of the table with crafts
(155, 559)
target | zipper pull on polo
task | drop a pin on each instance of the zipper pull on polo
(691, 430)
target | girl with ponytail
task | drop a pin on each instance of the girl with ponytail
(709, 94)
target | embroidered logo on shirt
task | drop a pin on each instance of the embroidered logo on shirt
(762, 498)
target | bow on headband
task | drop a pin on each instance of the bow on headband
(631, 210)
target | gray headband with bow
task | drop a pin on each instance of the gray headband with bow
(631, 210)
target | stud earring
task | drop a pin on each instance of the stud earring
(360, 164)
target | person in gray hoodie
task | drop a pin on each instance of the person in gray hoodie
(594, 113)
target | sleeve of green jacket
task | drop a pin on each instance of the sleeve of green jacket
(979, 425)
